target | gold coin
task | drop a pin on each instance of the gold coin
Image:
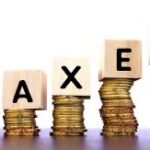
(55, 133)
(68, 102)
(119, 118)
(120, 80)
(68, 105)
(120, 123)
(118, 133)
(120, 128)
(19, 127)
(19, 124)
(68, 126)
(118, 104)
(21, 134)
(19, 121)
(117, 110)
(117, 115)
(71, 123)
(55, 113)
(18, 117)
(70, 118)
(115, 87)
(68, 108)
(18, 110)
(117, 101)
(115, 97)
(116, 84)
(115, 92)
(23, 130)
(69, 130)
(19, 113)
(67, 98)
(68, 115)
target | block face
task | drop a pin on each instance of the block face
(122, 59)
(36, 86)
(79, 69)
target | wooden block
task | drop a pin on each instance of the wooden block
(122, 59)
(24, 90)
(71, 77)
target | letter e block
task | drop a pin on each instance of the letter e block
(71, 77)
(122, 59)
(24, 90)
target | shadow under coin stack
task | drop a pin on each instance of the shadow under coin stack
(68, 116)
(117, 109)
(20, 122)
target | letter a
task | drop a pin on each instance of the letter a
(22, 84)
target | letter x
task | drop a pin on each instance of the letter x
(71, 77)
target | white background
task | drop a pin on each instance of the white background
(33, 32)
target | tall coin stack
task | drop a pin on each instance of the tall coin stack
(20, 122)
(68, 116)
(117, 109)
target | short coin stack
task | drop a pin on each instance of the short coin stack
(20, 122)
(68, 116)
(117, 110)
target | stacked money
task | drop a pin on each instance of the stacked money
(68, 116)
(117, 109)
(20, 122)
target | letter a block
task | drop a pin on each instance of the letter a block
(24, 90)
(71, 77)
(122, 59)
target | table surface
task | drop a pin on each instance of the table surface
(91, 141)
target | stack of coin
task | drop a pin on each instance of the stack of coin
(117, 109)
(20, 122)
(68, 116)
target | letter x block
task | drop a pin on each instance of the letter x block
(122, 59)
(24, 90)
(71, 77)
